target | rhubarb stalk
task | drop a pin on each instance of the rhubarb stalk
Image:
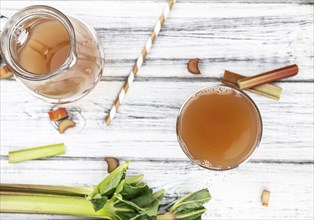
(46, 189)
(268, 90)
(269, 76)
(12, 202)
(36, 153)
(5, 72)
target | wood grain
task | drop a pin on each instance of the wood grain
(244, 38)
(145, 123)
(236, 194)
(247, 37)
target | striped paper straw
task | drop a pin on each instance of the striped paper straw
(139, 62)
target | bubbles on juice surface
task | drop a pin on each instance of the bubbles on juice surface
(219, 90)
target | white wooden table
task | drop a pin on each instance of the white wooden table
(241, 36)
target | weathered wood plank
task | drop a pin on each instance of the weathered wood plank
(245, 38)
(145, 123)
(229, 34)
(235, 193)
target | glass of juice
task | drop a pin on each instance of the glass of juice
(219, 127)
(58, 58)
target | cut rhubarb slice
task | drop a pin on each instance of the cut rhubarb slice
(265, 197)
(5, 72)
(193, 66)
(58, 114)
(112, 163)
(65, 125)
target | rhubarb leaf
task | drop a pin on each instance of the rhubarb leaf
(190, 207)
(110, 183)
(191, 201)
(134, 180)
(134, 202)
(141, 194)
(128, 198)
(99, 203)
(108, 186)
(191, 214)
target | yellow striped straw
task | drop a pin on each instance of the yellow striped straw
(139, 62)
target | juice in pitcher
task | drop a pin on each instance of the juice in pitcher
(56, 57)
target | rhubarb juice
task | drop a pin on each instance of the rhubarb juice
(46, 48)
(219, 127)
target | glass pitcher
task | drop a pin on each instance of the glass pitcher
(56, 57)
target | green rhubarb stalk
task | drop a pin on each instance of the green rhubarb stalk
(81, 191)
(36, 153)
(15, 202)
(11, 202)
(268, 90)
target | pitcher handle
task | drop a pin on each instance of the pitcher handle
(3, 21)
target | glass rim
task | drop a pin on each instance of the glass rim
(254, 147)
(12, 25)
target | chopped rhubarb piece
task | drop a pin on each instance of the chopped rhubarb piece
(270, 76)
(112, 163)
(65, 124)
(193, 66)
(267, 90)
(35, 153)
(58, 114)
(265, 197)
(5, 72)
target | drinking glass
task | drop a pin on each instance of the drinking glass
(186, 147)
